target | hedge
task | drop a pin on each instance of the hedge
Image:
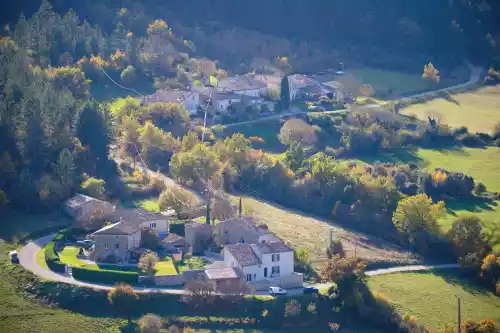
(52, 259)
(104, 276)
(177, 228)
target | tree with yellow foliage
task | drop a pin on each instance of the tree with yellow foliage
(431, 73)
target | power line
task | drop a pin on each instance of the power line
(119, 85)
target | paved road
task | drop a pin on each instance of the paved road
(27, 258)
(475, 75)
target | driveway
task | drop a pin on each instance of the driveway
(27, 259)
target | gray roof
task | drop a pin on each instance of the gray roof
(172, 238)
(79, 200)
(244, 254)
(221, 273)
(119, 228)
(134, 215)
(238, 83)
(227, 95)
(273, 247)
(168, 96)
(316, 89)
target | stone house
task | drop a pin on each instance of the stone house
(224, 277)
(190, 99)
(241, 230)
(243, 85)
(115, 242)
(197, 236)
(158, 222)
(86, 211)
(173, 243)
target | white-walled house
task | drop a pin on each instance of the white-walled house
(190, 99)
(262, 261)
(223, 100)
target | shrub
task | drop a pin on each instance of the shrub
(104, 276)
(480, 188)
(150, 323)
(95, 188)
(147, 262)
(177, 228)
(471, 140)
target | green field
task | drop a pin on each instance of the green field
(478, 110)
(400, 83)
(432, 297)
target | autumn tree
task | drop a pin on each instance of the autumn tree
(222, 209)
(292, 308)
(234, 291)
(176, 198)
(294, 155)
(431, 73)
(297, 130)
(94, 187)
(150, 323)
(198, 293)
(337, 269)
(147, 262)
(128, 75)
(416, 217)
(123, 299)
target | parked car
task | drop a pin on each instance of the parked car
(273, 291)
(87, 243)
(310, 290)
(14, 258)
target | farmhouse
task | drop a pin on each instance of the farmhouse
(84, 209)
(114, 242)
(241, 230)
(190, 99)
(243, 85)
(265, 260)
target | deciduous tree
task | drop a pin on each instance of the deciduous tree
(150, 323)
(123, 299)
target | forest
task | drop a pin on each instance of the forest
(396, 34)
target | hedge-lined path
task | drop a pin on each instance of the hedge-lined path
(27, 258)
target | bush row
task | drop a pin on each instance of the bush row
(104, 276)
(67, 234)
(52, 259)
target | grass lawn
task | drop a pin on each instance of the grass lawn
(479, 109)
(401, 83)
(267, 130)
(68, 256)
(431, 297)
(150, 204)
(165, 267)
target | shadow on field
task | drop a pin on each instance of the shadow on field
(459, 278)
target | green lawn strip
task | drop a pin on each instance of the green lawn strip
(150, 204)
(165, 267)
(432, 297)
(68, 256)
(40, 259)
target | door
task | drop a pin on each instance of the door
(265, 272)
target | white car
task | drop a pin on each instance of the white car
(276, 291)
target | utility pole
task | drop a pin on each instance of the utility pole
(459, 330)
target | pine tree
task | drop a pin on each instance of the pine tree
(285, 93)
(208, 220)
(65, 170)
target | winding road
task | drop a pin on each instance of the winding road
(27, 259)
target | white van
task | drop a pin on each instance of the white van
(276, 291)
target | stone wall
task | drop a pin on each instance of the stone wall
(162, 280)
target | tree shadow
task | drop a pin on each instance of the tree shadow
(406, 155)
(448, 97)
(473, 204)
(460, 278)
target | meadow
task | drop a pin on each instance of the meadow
(478, 109)
(432, 297)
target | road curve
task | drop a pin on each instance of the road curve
(27, 259)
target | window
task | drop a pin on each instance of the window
(275, 257)
(152, 226)
(105, 246)
(117, 246)
(249, 277)
(275, 271)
